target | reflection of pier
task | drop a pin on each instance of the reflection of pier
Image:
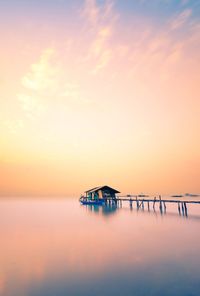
(141, 204)
(151, 206)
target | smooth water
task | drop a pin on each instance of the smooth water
(58, 247)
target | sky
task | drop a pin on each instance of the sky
(99, 92)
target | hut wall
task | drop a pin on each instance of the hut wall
(100, 194)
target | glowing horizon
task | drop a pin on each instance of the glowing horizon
(99, 92)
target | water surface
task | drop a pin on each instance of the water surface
(58, 247)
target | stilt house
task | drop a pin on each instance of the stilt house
(102, 192)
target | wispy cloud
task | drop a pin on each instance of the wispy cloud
(181, 19)
(42, 73)
(48, 83)
(51, 76)
(14, 126)
(100, 19)
(97, 13)
(56, 75)
(38, 84)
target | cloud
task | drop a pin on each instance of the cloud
(100, 49)
(31, 105)
(14, 126)
(38, 84)
(49, 82)
(100, 20)
(42, 73)
(95, 13)
(181, 19)
(146, 44)
(91, 11)
(104, 45)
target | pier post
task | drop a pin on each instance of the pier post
(165, 208)
(161, 210)
(179, 208)
(137, 203)
(131, 206)
(154, 203)
(143, 204)
(185, 207)
(183, 211)
(148, 206)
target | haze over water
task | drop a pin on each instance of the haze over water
(58, 247)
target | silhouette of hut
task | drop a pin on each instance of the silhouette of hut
(101, 192)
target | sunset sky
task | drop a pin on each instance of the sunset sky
(99, 92)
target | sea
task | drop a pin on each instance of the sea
(58, 247)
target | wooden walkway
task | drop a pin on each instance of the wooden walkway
(141, 203)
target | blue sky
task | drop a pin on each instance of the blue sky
(158, 10)
(59, 12)
(154, 8)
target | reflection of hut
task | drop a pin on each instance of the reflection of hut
(106, 210)
(102, 192)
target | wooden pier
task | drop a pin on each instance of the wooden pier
(150, 203)
(106, 195)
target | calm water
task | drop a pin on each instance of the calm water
(58, 247)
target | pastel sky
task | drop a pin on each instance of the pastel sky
(99, 92)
